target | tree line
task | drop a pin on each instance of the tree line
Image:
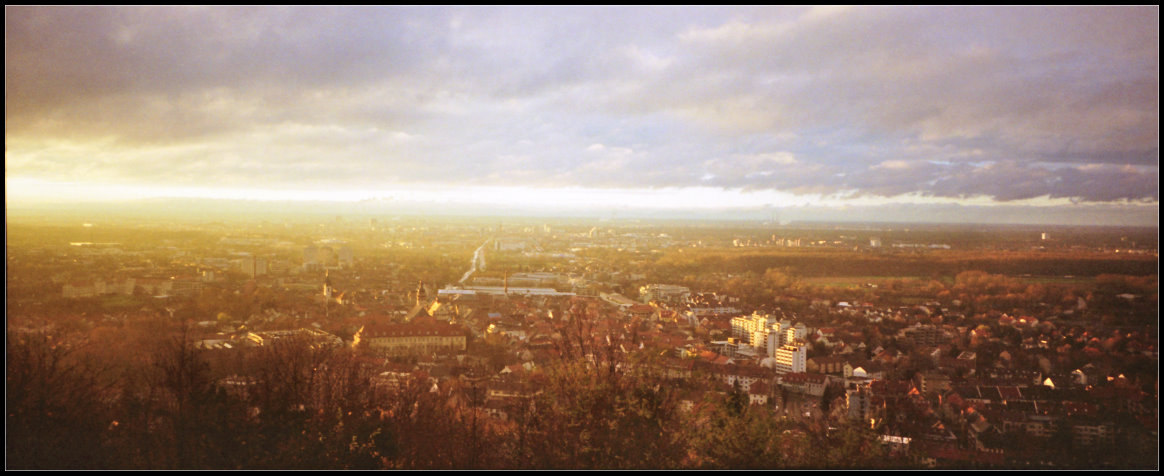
(292, 406)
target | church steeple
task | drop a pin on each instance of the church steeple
(421, 294)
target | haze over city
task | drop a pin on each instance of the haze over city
(1046, 115)
(582, 238)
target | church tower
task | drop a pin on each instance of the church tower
(421, 294)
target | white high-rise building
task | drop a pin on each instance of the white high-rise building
(744, 326)
(795, 333)
(791, 357)
(768, 339)
(774, 341)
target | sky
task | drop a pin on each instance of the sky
(864, 113)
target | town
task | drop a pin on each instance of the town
(413, 342)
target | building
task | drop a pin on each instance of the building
(251, 266)
(185, 286)
(97, 288)
(412, 338)
(826, 365)
(925, 335)
(859, 399)
(345, 257)
(795, 333)
(617, 299)
(317, 258)
(742, 376)
(933, 382)
(311, 261)
(805, 383)
(535, 280)
(155, 286)
(505, 290)
(743, 327)
(668, 293)
(758, 394)
(509, 244)
(312, 337)
(791, 358)
(1089, 431)
(762, 340)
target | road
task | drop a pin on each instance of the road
(478, 262)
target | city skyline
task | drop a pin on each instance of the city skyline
(1007, 114)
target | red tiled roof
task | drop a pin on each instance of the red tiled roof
(803, 377)
(758, 388)
(1010, 392)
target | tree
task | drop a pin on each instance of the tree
(55, 416)
(722, 435)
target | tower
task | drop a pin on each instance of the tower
(326, 294)
(421, 294)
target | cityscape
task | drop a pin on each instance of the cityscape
(582, 238)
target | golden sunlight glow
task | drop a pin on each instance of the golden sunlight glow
(28, 191)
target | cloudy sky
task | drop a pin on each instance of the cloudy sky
(1049, 111)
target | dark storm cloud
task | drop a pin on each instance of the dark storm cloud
(163, 73)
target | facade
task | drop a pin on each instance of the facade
(185, 286)
(312, 337)
(97, 288)
(664, 292)
(933, 382)
(926, 335)
(251, 266)
(759, 342)
(858, 400)
(617, 299)
(791, 358)
(744, 377)
(154, 286)
(795, 333)
(535, 280)
(406, 339)
(345, 257)
(773, 341)
(805, 383)
(743, 327)
(311, 260)
(826, 365)
(317, 258)
(509, 244)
